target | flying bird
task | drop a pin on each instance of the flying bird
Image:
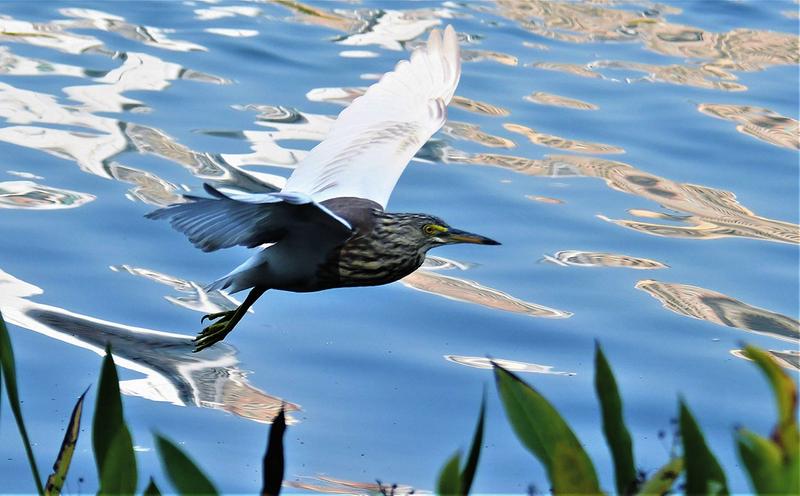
(328, 227)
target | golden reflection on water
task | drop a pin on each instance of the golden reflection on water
(711, 213)
(486, 363)
(473, 133)
(560, 143)
(559, 101)
(646, 23)
(705, 304)
(172, 373)
(428, 280)
(758, 122)
(574, 258)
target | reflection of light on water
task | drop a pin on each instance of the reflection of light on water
(551, 141)
(760, 123)
(559, 101)
(788, 359)
(713, 213)
(486, 363)
(32, 196)
(329, 485)
(704, 304)
(172, 373)
(194, 296)
(467, 291)
(576, 258)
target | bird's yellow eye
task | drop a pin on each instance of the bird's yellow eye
(433, 229)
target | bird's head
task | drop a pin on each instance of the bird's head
(428, 231)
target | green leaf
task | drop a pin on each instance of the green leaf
(151, 489)
(703, 473)
(617, 435)
(274, 458)
(449, 478)
(468, 474)
(119, 468)
(786, 432)
(10, 376)
(542, 430)
(61, 466)
(111, 439)
(763, 460)
(184, 474)
(663, 480)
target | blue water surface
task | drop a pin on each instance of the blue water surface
(686, 239)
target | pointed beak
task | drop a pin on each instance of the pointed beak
(459, 236)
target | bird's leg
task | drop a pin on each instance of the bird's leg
(218, 330)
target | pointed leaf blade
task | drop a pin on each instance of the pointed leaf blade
(703, 473)
(616, 433)
(468, 474)
(763, 460)
(111, 438)
(184, 474)
(10, 376)
(61, 466)
(545, 433)
(449, 478)
(662, 481)
(151, 489)
(786, 432)
(274, 457)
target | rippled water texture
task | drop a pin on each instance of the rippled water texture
(638, 160)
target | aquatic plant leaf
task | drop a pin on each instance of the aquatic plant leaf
(763, 460)
(184, 474)
(545, 433)
(786, 432)
(119, 468)
(10, 376)
(111, 439)
(617, 435)
(61, 466)
(468, 473)
(449, 478)
(273, 458)
(663, 480)
(151, 489)
(703, 473)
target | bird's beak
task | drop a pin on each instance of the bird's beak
(459, 236)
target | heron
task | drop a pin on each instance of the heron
(328, 226)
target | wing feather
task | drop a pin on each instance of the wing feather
(250, 220)
(373, 139)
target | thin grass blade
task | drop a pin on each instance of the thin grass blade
(662, 481)
(617, 435)
(703, 473)
(184, 474)
(111, 439)
(61, 466)
(10, 377)
(449, 483)
(545, 433)
(468, 474)
(274, 458)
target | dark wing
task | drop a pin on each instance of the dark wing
(246, 219)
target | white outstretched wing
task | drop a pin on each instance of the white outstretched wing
(373, 139)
